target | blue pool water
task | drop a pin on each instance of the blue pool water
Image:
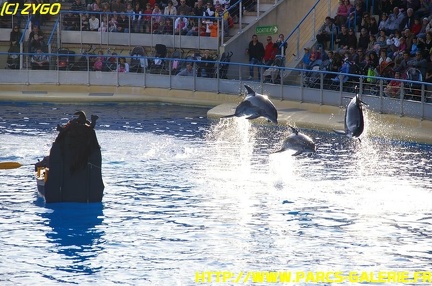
(184, 194)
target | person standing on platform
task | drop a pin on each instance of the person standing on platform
(256, 54)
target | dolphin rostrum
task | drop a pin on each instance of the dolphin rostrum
(298, 142)
(255, 105)
(354, 120)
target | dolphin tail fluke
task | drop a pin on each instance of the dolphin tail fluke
(340, 132)
(249, 90)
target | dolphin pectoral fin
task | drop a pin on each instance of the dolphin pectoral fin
(340, 132)
(297, 153)
(253, 116)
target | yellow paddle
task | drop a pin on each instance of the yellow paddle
(9, 165)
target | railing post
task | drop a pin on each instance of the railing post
(423, 100)
(321, 88)
(221, 26)
(381, 95)
(401, 97)
(298, 44)
(258, 9)
(241, 16)
(313, 24)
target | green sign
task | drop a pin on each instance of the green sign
(266, 30)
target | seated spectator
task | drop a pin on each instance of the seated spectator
(99, 61)
(188, 71)
(401, 47)
(373, 26)
(77, 6)
(384, 62)
(393, 88)
(36, 40)
(214, 29)
(419, 63)
(147, 19)
(103, 25)
(342, 39)
(402, 65)
(221, 12)
(352, 38)
(342, 13)
(181, 25)
(366, 22)
(424, 10)
(138, 18)
(383, 24)
(198, 10)
(414, 47)
(306, 57)
(122, 66)
(157, 20)
(170, 9)
(195, 28)
(15, 36)
(85, 25)
(206, 67)
(168, 28)
(93, 23)
(39, 61)
(113, 23)
(183, 8)
(96, 6)
(355, 16)
(118, 6)
(407, 20)
(123, 24)
(422, 33)
(408, 38)
(327, 33)
(209, 10)
(70, 22)
(394, 21)
(363, 40)
(416, 27)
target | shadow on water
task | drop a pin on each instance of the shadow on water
(75, 234)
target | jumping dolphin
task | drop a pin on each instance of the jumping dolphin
(298, 142)
(354, 121)
(255, 105)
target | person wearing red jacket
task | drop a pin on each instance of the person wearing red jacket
(270, 52)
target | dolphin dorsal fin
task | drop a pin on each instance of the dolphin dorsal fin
(250, 91)
(295, 130)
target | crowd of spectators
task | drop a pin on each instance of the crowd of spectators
(396, 40)
(185, 17)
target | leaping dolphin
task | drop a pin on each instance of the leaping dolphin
(298, 142)
(255, 105)
(354, 120)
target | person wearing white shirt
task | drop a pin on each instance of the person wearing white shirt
(181, 25)
(93, 23)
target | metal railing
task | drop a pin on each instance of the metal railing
(316, 86)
